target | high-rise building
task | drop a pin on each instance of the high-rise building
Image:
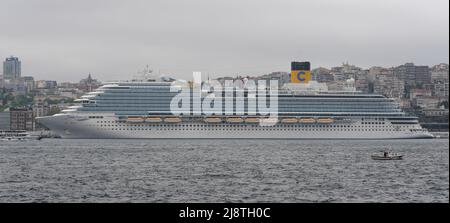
(405, 72)
(412, 74)
(28, 82)
(422, 74)
(2, 82)
(11, 68)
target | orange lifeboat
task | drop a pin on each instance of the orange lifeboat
(252, 120)
(212, 120)
(325, 120)
(153, 119)
(307, 120)
(289, 120)
(172, 120)
(235, 120)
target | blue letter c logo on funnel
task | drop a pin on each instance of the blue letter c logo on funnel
(299, 75)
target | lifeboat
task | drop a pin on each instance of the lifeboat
(307, 120)
(235, 120)
(172, 120)
(268, 121)
(289, 120)
(153, 119)
(212, 120)
(135, 119)
(325, 120)
(252, 120)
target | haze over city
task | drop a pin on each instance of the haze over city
(66, 40)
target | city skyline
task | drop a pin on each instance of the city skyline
(75, 79)
(113, 40)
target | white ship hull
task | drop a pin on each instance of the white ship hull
(73, 126)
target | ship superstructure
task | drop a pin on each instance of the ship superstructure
(141, 109)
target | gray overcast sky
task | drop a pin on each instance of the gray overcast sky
(113, 39)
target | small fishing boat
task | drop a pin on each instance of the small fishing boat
(387, 156)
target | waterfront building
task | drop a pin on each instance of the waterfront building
(5, 122)
(21, 119)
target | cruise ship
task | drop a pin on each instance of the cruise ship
(305, 110)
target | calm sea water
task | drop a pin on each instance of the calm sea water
(57, 170)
